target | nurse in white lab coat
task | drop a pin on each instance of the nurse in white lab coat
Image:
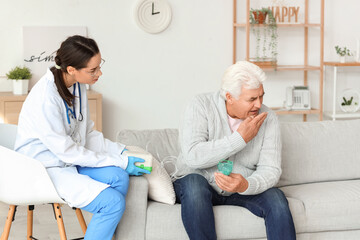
(88, 171)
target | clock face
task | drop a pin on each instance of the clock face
(153, 16)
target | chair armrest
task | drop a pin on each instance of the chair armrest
(133, 223)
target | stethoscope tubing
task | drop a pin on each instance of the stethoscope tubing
(72, 111)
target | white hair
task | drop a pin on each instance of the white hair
(239, 74)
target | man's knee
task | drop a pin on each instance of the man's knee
(277, 202)
(196, 188)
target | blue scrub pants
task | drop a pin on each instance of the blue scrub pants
(109, 206)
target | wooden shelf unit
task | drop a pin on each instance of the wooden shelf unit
(305, 68)
(10, 107)
(339, 114)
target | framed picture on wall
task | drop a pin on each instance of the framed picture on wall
(40, 44)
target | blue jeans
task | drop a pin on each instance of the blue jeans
(197, 199)
(109, 206)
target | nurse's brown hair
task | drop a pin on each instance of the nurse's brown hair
(75, 51)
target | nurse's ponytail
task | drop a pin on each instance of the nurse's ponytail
(75, 51)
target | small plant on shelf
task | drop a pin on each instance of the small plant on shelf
(268, 37)
(350, 105)
(19, 73)
(20, 77)
(342, 52)
(348, 102)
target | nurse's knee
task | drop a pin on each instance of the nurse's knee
(118, 176)
(114, 201)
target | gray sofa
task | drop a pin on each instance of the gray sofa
(321, 180)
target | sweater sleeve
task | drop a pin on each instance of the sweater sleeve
(268, 169)
(198, 150)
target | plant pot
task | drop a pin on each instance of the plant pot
(21, 86)
(342, 59)
(349, 108)
(259, 18)
(264, 63)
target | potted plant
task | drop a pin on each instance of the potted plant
(342, 52)
(350, 100)
(348, 105)
(20, 77)
(266, 36)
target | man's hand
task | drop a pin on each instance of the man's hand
(235, 182)
(250, 126)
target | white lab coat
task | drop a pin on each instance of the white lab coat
(44, 134)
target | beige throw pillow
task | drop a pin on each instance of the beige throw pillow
(161, 188)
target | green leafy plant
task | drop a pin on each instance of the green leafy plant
(19, 73)
(269, 34)
(348, 102)
(342, 51)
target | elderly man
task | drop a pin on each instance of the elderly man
(231, 124)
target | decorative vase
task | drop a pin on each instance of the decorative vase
(20, 86)
(342, 59)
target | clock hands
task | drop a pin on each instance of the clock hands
(154, 13)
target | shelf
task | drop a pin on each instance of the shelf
(339, 114)
(284, 111)
(301, 25)
(339, 64)
(292, 68)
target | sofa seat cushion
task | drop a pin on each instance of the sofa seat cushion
(328, 206)
(248, 226)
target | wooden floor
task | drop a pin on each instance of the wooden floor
(45, 226)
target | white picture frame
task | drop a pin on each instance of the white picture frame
(40, 46)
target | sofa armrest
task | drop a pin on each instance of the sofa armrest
(133, 222)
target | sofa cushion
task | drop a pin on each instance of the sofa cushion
(328, 206)
(159, 227)
(161, 188)
(161, 143)
(320, 151)
(231, 222)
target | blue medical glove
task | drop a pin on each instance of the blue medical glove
(131, 169)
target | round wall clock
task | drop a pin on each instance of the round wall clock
(153, 16)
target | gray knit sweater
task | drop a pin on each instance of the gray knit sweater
(206, 138)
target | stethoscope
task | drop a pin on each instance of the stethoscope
(71, 112)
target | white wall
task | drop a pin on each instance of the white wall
(147, 79)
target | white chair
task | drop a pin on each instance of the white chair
(24, 181)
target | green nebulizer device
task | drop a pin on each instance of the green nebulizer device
(147, 165)
(225, 167)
